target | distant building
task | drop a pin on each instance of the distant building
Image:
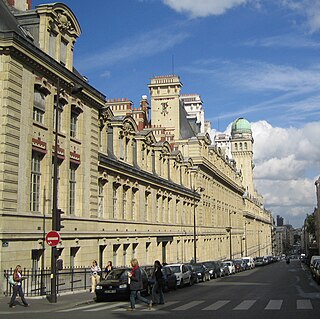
(279, 221)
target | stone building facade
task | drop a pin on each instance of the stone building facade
(128, 186)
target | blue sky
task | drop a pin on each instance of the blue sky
(249, 58)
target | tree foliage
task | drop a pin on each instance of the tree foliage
(311, 225)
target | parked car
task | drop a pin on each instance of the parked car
(182, 273)
(240, 265)
(202, 272)
(214, 269)
(249, 261)
(260, 261)
(230, 265)
(224, 270)
(170, 279)
(316, 271)
(115, 285)
(194, 277)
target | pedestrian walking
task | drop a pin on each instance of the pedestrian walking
(17, 288)
(135, 282)
(108, 268)
(95, 275)
(158, 286)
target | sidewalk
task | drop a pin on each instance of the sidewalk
(41, 304)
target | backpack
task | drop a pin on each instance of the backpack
(11, 280)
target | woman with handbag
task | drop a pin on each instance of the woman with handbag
(17, 288)
(95, 275)
(136, 285)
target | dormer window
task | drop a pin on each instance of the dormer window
(52, 44)
(63, 51)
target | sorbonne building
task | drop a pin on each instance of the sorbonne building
(129, 185)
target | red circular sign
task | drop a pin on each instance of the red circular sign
(53, 238)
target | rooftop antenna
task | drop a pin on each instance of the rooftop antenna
(218, 125)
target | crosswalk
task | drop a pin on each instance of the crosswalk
(203, 305)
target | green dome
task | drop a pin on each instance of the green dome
(240, 125)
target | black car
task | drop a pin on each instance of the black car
(202, 272)
(194, 277)
(214, 269)
(115, 285)
(170, 279)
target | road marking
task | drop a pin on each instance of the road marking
(122, 309)
(160, 307)
(274, 305)
(304, 304)
(189, 305)
(97, 307)
(107, 307)
(217, 305)
(245, 305)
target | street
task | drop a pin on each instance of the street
(273, 291)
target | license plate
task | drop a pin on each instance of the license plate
(110, 291)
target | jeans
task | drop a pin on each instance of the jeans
(135, 294)
(17, 289)
(156, 287)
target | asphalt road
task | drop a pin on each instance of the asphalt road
(273, 291)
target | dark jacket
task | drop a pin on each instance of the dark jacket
(158, 275)
(136, 280)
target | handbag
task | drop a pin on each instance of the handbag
(11, 280)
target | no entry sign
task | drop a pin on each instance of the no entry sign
(53, 238)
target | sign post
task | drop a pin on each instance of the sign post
(53, 238)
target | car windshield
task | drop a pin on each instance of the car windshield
(198, 267)
(118, 274)
(175, 269)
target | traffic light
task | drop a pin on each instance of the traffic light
(59, 219)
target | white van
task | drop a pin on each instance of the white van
(249, 261)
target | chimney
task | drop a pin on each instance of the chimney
(21, 5)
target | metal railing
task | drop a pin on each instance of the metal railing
(38, 282)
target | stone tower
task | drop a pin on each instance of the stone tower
(166, 106)
(242, 151)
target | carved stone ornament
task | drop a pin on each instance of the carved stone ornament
(127, 129)
(63, 22)
(164, 109)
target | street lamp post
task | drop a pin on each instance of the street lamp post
(228, 229)
(56, 221)
(200, 189)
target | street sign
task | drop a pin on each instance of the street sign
(53, 238)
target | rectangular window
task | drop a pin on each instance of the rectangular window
(124, 203)
(115, 203)
(72, 189)
(63, 52)
(73, 124)
(52, 45)
(39, 106)
(133, 204)
(35, 182)
(59, 118)
(100, 200)
(146, 206)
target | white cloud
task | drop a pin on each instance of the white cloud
(287, 164)
(309, 9)
(204, 8)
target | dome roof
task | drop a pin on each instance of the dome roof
(241, 125)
